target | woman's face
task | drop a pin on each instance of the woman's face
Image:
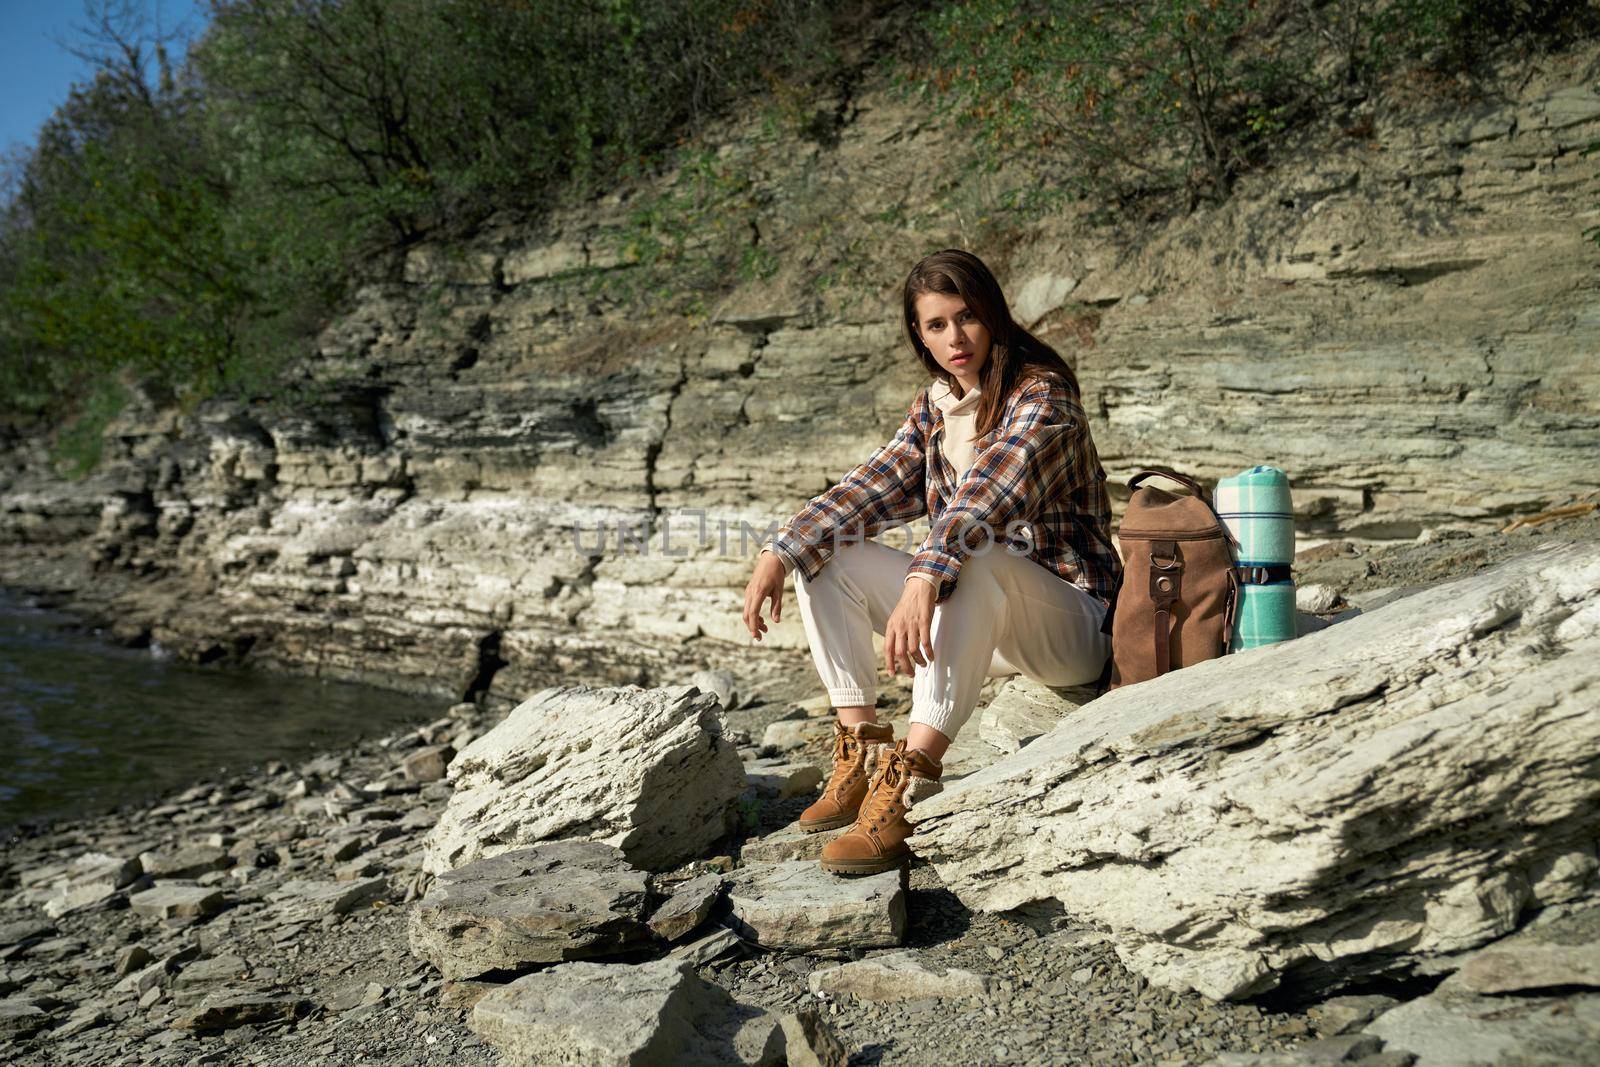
(958, 341)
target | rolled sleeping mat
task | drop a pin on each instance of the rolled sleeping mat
(1256, 508)
(1265, 615)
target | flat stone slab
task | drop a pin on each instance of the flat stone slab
(190, 861)
(18, 1018)
(1024, 709)
(177, 901)
(563, 900)
(783, 778)
(625, 1015)
(788, 843)
(1514, 968)
(303, 898)
(227, 1009)
(797, 906)
(688, 907)
(897, 976)
(1450, 1027)
(714, 945)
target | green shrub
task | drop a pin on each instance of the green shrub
(1118, 100)
(196, 230)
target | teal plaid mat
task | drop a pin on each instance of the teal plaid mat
(1256, 508)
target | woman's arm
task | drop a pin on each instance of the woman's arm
(884, 491)
(1038, 456)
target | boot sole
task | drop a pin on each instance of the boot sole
(826, 824)
(888, 863)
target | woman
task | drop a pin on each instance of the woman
(1015, 574)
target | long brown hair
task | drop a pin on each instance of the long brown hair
(1014, 354)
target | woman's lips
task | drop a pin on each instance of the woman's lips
(960, 357)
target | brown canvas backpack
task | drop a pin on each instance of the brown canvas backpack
(1175, 602)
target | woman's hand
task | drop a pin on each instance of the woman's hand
(908, 635)
(767, 582)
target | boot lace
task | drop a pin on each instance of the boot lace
(883, 792)
(845, 747)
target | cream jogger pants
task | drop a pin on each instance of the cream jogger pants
(1008, 615)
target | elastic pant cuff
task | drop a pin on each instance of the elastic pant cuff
(941, 717)
(852, 698)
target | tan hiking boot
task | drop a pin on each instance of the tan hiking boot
(855, 752)
(877, 841)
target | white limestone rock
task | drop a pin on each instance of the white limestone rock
(897, 976)
(1024, 709)
(646, 770)
(1399, 787)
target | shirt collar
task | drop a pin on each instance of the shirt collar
(948, 403)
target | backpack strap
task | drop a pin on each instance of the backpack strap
(1166, 586)
(1262, 573)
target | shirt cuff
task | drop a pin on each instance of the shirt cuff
(930, 579)
(788, 564)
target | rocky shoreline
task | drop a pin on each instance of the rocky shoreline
(275, 932)
(273, 917)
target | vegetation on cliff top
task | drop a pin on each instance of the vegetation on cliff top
(191, 224)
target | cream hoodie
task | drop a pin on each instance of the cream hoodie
(960, 420)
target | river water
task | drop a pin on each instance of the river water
(86, 725)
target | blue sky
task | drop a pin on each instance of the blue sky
(36, 71)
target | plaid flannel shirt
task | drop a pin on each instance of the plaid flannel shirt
(1037, 472)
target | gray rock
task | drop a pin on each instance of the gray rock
(92, 880)
(226, 1009)
(305, 898)
(20, 930)
(86, 1017)
(783, 778)
(131, 959)
(190, 861)
(1343, 1015)
(1519, 967)
(646, 770)
(428, 764)
(1452, 1026)
(796, 906)
(792, 735)
(1235, 820)
(611, 1015)
(19, 1018)
(788, 843)
(563, 900)
(1323, 1052)
(897, 976)
(1024, 709)
(719, 683)
(688, 907)
(714, 945)
(810, 1042)
(177, 901)
(202, 976)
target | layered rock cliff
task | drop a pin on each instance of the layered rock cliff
(1405, 320)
